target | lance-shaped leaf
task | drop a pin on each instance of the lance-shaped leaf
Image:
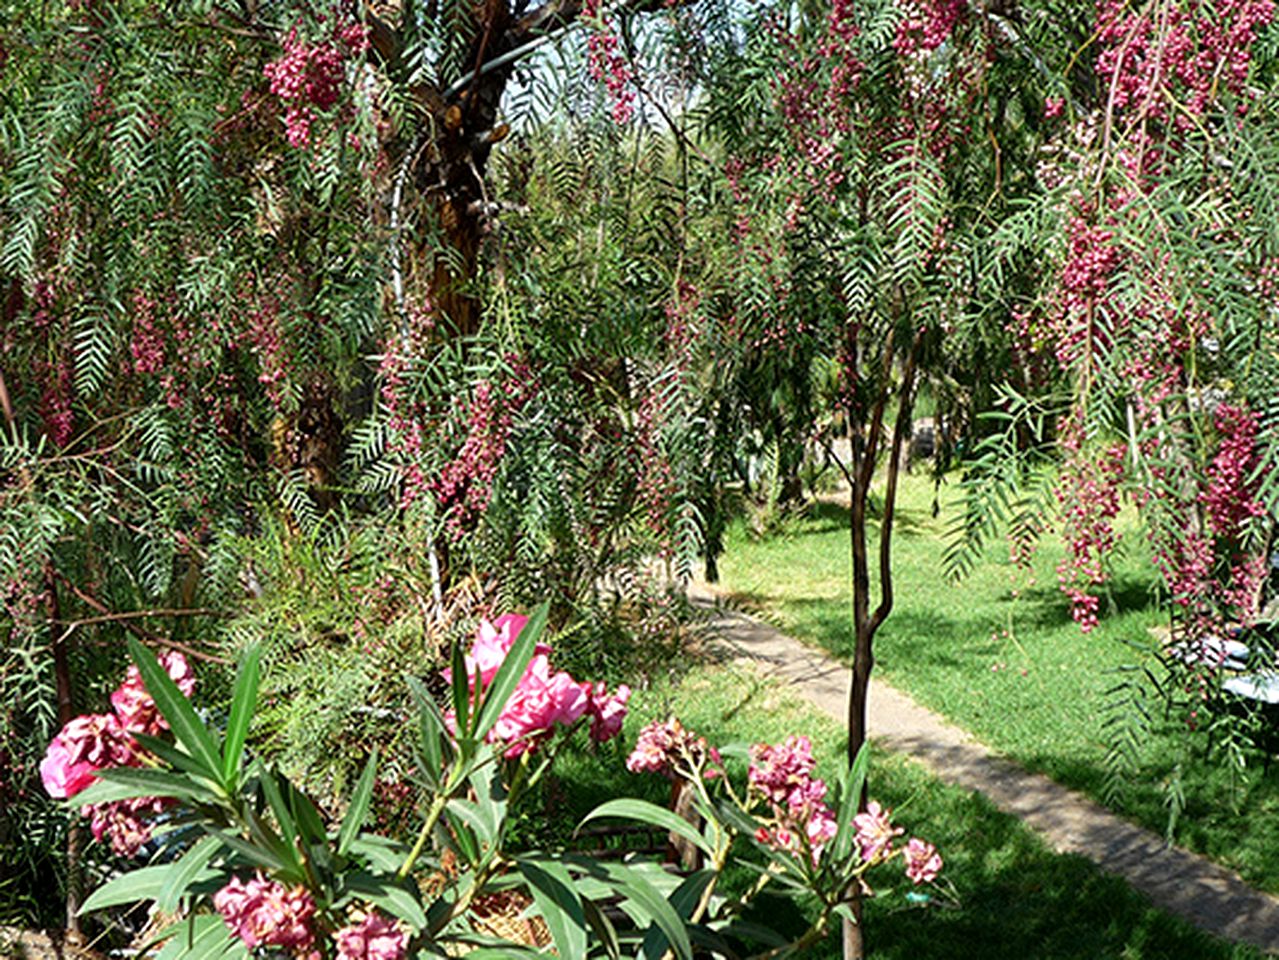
(389, 895)
(243, 701)
(177, 710)
(650, 813)
(431, 731)
(359, 807)
(185, 871)
(142, 884)
(648, 905)
(124, 783)
(509, 674)
(560, 905)
(851, 784)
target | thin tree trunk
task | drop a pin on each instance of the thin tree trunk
(865, 444)
(66, 712)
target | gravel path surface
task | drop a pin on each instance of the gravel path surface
(1209, 896)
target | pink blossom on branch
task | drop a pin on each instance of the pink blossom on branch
(264, 912)
(84, 746)
(875, 833)
(923, 862)
(373, 938)
(134, 705)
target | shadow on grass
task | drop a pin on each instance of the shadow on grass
(825, 516)
(1047, 607)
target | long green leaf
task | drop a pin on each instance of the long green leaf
(430, 730)
(142, 884)
(652, 905)
(186, 871)
(242, 703)
(177, 710)
(509, 674)
(850, 797)
(561, 907)
(461, 693)
(389, 896)
(122, 783)
(359, 807)
(651, 813)
(171, 755)
(283, 816)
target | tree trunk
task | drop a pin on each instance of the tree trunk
(66, 712)
(865, 445)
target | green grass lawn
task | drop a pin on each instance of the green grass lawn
(1013, 897)
(1000, 655)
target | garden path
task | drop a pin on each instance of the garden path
(1209, 896)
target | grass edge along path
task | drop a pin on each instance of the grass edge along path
(1211, 897)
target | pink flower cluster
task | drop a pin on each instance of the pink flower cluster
(782, 775)
(923, 862)
(543, 699)
(266, 913)
(94, 742)
(875, 833)
(373, 938)
(308, 77)
(668, 748)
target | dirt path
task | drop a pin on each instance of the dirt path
(1209, 896)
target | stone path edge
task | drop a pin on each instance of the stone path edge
(1208, 895)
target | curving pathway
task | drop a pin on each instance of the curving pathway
(1209, 896)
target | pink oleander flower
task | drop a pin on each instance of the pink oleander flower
(923, 862)
(135, 706)
(607, 712)
(671, 750)
(493, 641)
(540, 701)
(84, 746)
(125, 823)
(373, 938)
(875, 832)
(777, 771)
(264, 912)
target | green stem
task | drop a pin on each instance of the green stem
(432, 818)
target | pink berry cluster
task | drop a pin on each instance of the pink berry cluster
(265, 335)
(1230, 500)
(405, 416)
(147, 343)
(94, 742)
(1092, 259)
(1089, 496)
(309, 76)
(605, 62)
(656, 475)
(464, 486)
(782, 776)
(543, 699)
(926, 25)
(1169, 62)
(58, 379)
